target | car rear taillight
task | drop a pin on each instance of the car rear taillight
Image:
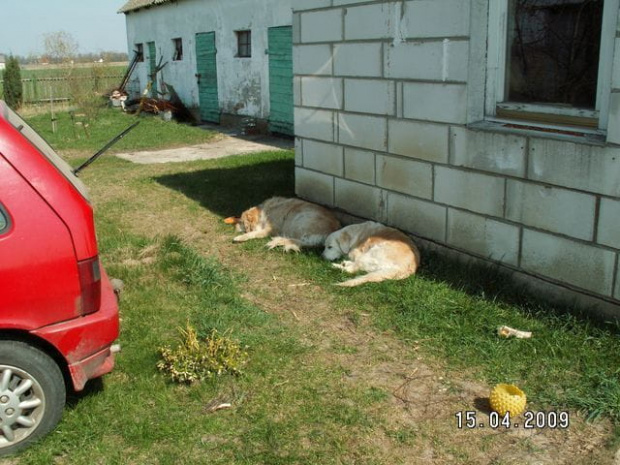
(90, 284)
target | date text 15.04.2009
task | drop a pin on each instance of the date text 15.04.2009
(529, 420)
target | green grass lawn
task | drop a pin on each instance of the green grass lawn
(298, 401)
(152, 132)
(570, 361)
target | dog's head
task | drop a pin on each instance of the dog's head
(337, 244)
(248, 220)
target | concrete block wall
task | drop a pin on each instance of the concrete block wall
(382, 133)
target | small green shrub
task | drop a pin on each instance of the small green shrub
(12, 84)
(196, 359)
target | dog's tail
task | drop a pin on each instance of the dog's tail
(374, 277)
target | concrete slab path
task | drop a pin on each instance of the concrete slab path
(227, 143)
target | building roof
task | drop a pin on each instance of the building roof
(133, 5)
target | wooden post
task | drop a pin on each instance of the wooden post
(53, 117)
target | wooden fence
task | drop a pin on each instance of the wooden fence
(60, 88)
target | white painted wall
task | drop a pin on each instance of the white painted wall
(243, 83)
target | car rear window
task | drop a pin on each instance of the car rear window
(46, 150)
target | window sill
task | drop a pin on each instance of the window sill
(524, 128)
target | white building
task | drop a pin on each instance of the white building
(439, 117)
(223, 58)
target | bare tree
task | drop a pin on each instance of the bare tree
(60, 46)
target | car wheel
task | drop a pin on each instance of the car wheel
(32, 395)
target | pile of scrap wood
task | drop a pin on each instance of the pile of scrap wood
(173, 107)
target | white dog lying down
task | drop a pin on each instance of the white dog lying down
(295, 223)
(383, 252)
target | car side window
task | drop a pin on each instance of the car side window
(4, 220)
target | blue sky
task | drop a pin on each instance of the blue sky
(94, 24)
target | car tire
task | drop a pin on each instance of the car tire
(32, 395)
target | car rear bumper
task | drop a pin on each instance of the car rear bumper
(86, 342)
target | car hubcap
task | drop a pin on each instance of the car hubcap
(22, 404)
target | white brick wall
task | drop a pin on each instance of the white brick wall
(445, 103)
(315, 124)
(572, 262)
(323, 92)
(316, 187)
(613, 125)
(617, 291)
(436, 18)
(609, 223)
(358, 60)
(553, 209)
(370, 96)
(584, 167)
(425, 141)
(436, 60)
(472, 191)
(487, 151)
(369, 22)
(308, 4)
(321, 26)
(483, 236)
(367, 132)
(359, 165)
(383, 93)
(296, 91)
(361, 199)
(425, 219)
(299, 159)
(405, 175)
(327, 158)
(312, 59)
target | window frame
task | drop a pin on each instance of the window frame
(244, 33)
(177, 45)
(139, 48)
(546, 116)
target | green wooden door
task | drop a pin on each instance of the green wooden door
(206, 73)
(152, 68)
(281, 80)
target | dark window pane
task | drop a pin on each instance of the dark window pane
(178, 49)
(244, 44)
(553, 51)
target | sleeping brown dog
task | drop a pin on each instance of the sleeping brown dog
(293, 223)
(382, 252)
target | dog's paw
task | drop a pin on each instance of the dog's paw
(341, 266)
(276, 242)
(238, 239)
(287, 244)
(292, 248)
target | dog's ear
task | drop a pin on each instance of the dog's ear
(252, 216)
(232, 220)
(344, 241)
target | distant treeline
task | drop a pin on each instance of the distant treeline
(107, 57)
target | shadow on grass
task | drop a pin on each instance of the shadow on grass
(92, 388)
(228, 190)
(495, 283)
(237, 183)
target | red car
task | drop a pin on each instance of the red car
(58, 310)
